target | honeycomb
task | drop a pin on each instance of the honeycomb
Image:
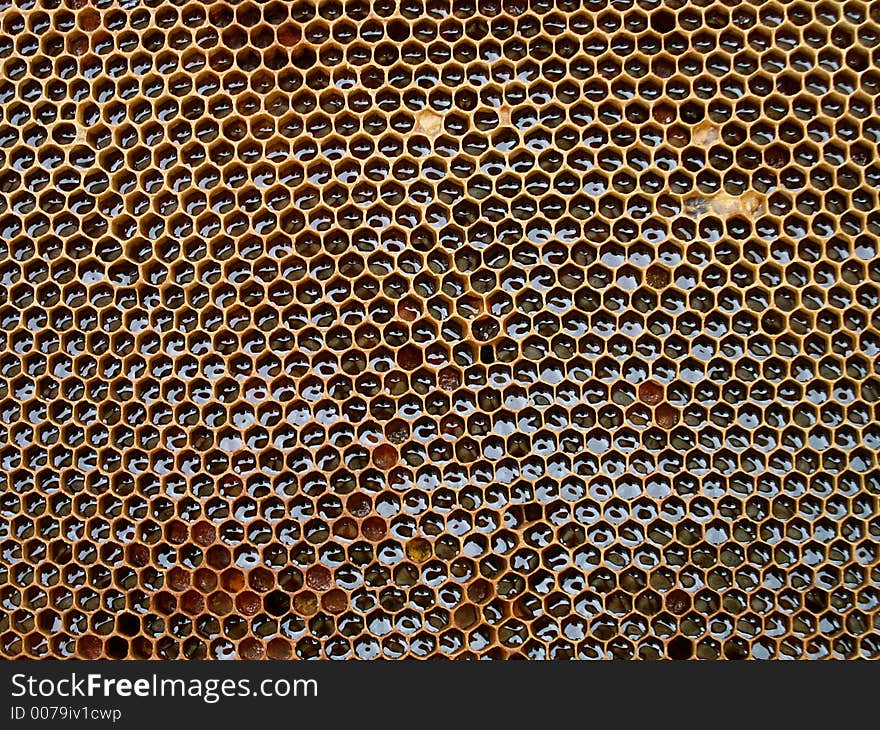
(475, 329)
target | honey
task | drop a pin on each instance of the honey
(490, 328)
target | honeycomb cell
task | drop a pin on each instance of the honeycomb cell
(526, 329)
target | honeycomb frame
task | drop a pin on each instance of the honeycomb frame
(479, 329)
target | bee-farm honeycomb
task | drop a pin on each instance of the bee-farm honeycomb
(474, 329)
